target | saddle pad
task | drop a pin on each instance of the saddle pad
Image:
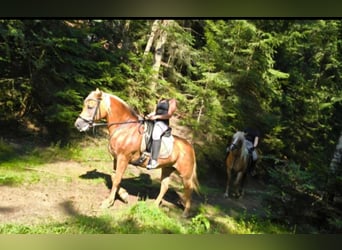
(165, 149)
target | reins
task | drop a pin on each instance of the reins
(93, 124)
(97, 124)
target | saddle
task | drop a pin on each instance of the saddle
(146, 143)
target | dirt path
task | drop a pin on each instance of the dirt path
(70, 188)
(64, 189)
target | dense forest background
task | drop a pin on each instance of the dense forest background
(281, 76)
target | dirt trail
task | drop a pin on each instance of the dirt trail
(68, 188)
(65, 189)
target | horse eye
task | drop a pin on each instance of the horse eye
(90, 107)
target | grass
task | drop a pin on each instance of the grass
(145, 218)
(138, 218)
(15, 159)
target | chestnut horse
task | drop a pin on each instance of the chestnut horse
(126, 131)
(237, 162)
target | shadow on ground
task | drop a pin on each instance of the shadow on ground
(145, 188)
(141, 186)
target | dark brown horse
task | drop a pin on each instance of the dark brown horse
(126, 131)
(237, 162)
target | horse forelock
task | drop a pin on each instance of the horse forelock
(240, 136)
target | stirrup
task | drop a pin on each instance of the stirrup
(152, 165)
(141, 159)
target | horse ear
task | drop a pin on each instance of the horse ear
(98, 93)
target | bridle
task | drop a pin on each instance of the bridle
(234, 145)
(91, 121)
(93, 124)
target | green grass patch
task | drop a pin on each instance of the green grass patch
(17, 177)
(91, 150)
(27, 155)
(7, 151)
(9, 179)
(144, 218)
(16, 160)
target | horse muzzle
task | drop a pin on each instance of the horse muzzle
(82, 125)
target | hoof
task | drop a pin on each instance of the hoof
(185, 215)
(234, 195)
(241, 194)
(123, 194)
(107, 204)
(156, 203)
(225, 195)
(124, 200)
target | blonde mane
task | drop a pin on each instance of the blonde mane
(106, 99)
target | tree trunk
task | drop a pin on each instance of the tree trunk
(155, 26)
(158, 54)
(335, 170)
(159, 35)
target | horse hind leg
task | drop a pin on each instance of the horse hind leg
(186, 199)
(164, 185)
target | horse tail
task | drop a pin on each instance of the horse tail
(194, 180)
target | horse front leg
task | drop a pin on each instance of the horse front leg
(122, 193)
(121, 165)
(226, 194)
(238, 184)
(229, 166)
(242, 184)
